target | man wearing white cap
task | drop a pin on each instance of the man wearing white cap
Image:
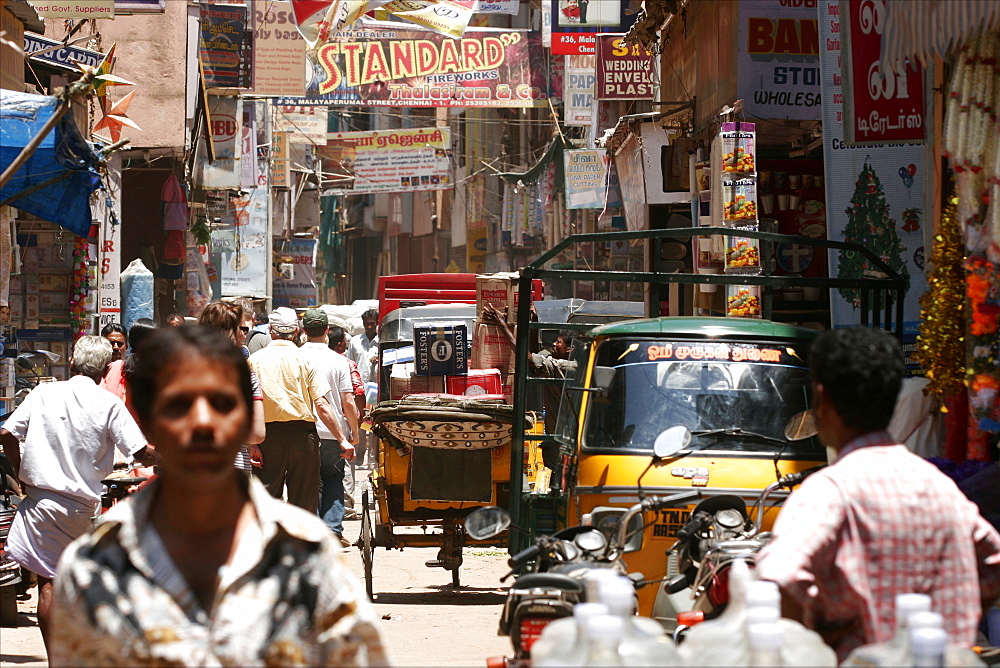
(292, 388)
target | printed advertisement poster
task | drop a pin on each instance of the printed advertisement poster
(873, 194)
(883, 106)
(304, 125)
(476, 243)
(297, 287)
(578, 89)
(225, 127)
(75, 9)
(240, 253)
(778, 61)
(576, 23)
(223, 45)
(624, 71)
(511, 7)
(398, 65)
(588, 180)
(279, 53)
(448, 17)
(281, 168)
(386, 161)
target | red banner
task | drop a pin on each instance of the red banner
(624, 71)
(880, 106)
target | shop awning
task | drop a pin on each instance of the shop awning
(56, 181)
(924, 29)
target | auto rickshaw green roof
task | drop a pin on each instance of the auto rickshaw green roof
(706, 328)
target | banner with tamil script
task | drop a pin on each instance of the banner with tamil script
(224, 46)
(386, 161)
(397, 65)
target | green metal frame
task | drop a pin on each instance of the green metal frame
(891, 289)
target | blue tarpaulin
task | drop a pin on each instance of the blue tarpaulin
(56, 181)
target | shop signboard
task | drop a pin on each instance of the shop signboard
(624, 71)
(225, 128)
(881, 106)
(872, 192)
(578, 90)
(295, 287)
(109, 247)
(386, 161)
(241, 251)
(223, 45)
(281, 173)
(576, 23)
(248, 148)
(53, 52)
(304, 125)
(75, 9)
(778, 59)
(589, 182)
(279, 50)
(397, 65)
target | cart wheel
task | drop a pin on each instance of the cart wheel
(454, 578)
(367, 543)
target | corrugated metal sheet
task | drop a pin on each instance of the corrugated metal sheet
(925, 29)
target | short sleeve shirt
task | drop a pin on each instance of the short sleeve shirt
(71, 429)
(290, 382)
(338, 375)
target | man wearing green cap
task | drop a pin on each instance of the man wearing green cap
(336, 445)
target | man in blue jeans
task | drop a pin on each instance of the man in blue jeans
(334, 448)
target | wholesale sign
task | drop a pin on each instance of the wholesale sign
(386, 161)
(223, 36)
(624, 71)
(879, 106)
(778, 59)
(400, 66)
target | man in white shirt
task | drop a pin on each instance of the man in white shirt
(363, 351)
(71, 430)
(335, 447)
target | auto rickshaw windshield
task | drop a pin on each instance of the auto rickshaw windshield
(732, 396)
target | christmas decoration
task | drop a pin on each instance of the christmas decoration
(81, 286)
(870, 225)
(115, 118)
(911, 219)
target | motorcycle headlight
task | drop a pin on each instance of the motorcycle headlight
(591, 541)
(729, 518)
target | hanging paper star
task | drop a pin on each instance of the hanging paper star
(103, 77)
(116, 117)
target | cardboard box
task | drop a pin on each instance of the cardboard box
(477, 382)
(402, 381)
(500, 290)
(441, 349)
(491, 349)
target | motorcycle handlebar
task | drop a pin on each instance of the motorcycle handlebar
(693, 525)
(524, 556)
(653, 503)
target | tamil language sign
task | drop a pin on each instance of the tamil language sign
(588, 180)
(386, 161)
(397, 65)
(223, 37)
(624, 71)
(778, 59)
(879, 106)
(576, 23)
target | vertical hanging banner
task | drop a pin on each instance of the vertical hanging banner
(281, 172)
(109, 261)
(279, 50)
(248, 148)
(576, 23)
(883, 106)
(223, 37)
(872, 192)
(578, 92)
(225, 128)
(624, 71)
(243, 247)
(295, 284)
(778, 59)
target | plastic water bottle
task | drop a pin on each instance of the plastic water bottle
(564, 641)
(765, 642)
(604, 635)
(644, 642)
(927, 647)
(894, 651)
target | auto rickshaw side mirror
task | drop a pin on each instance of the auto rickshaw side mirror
(602, 377)
(672, 440)
(801, 426)
(486, 522)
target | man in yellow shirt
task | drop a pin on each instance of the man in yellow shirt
(292, 387)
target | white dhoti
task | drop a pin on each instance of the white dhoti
(45, 524)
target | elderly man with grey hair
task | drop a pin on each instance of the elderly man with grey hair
(61, 442)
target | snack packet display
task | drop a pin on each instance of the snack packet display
(739, 200)
(739, 148)
(742, 255)
(743, 301)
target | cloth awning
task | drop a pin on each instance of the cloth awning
(925, 29)
(56, 181)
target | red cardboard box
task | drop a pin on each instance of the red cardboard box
(500, 290)
(477, 383)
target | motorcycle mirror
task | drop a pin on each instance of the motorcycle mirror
(486, 522)
(672, 440)
(801, 426)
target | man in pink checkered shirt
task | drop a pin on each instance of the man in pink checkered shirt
(880, 521)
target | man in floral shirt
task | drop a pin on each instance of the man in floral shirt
(203, 566)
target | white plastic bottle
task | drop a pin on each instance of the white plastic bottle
(643, 641)
(927, 647)
(894, 651)
(604, 635)
(564, 641)
(765, 641)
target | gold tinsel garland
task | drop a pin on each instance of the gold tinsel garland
(941, 343)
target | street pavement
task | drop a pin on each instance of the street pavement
(425, 622)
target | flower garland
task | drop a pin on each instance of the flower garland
(79, 319)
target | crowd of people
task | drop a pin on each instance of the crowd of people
(193, 567)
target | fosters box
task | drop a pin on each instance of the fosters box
(500, 290)
(441, 349)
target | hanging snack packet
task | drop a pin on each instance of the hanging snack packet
(743, 301)
(739, 148)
